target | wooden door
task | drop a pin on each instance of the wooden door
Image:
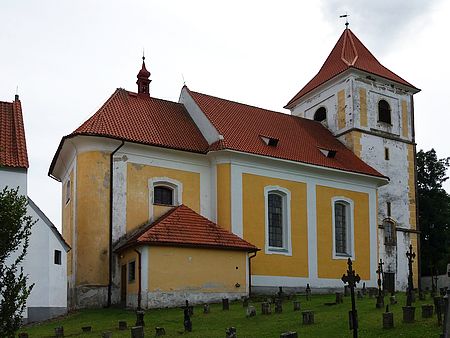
(389, 281)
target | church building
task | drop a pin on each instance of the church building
(207, 198)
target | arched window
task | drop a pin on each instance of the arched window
(343, 227)
(164, 191)
(163, 195)
(389, 232)
(384, 112)
(275, 206)
(278, 238)
(320, 114)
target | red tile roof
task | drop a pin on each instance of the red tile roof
(299, 139)
(144, 119)
(349, 52)
(13, 147)
(182, 226)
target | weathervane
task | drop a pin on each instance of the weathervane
(346, 19)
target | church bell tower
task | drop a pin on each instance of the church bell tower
(371, 110)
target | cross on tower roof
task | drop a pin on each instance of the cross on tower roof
(346, 19)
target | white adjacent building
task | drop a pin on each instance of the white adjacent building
(46, 259)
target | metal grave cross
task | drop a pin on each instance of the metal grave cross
(351, 279)
(410, 255)
(380, 298)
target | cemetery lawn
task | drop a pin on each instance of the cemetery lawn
(330, 321)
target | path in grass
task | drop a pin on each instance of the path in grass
(330, 321)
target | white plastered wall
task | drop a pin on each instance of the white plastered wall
(378, 137)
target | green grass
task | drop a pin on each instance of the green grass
(330, 321)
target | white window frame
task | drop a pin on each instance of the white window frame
(287, 241)
(350, 227)
(175, 185)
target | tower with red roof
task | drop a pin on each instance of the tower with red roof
(370, 109)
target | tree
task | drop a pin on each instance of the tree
(434, 211)
(15, 231)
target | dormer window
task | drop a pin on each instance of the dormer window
(384, 112)
(270, 141)
(320, 114)
(330, 153)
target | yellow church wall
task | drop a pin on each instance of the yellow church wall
(126, 257)
(173, 269)
(404, 119)
(333, 268)
(363, 107)
(224, 195)
(67, 221)
(353, 141)
(341, 109)
(138, 204)
(92, 189)
(254, 227)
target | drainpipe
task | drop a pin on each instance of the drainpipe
(139, 276)
(250, 273)
(413, 136)
(111, 184)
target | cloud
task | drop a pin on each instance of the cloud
(383, 21)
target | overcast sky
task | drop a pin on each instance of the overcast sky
(67, 58)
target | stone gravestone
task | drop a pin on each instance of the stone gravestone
(23, 335)
(107, 334)
(364, 290)
(137, 332)
(140, 318)
(438, 309)
(278, 306)
(123, 325)
(245, 301)
(339, 298)
(346, 291)
(289, 334)
(296, 305)
(86, 328)
(251, 311)
(308, 292)
(408, 314)
(206, 308)
(359, 295)
(231, 332)
(446, 329)
(187, 320)
(388, 319)
(308, 317)
(225, 304)
(59, 331)
(159, 331)
(392, 300)
(265, 308)
(427, 311)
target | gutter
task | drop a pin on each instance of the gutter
(111, 185)
(250, 273)
(139, 276)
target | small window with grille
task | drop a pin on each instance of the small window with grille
(163, 195)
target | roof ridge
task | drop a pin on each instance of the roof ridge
(243, 104)
(148, 97)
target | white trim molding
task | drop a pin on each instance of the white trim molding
(287, 240)
(350, 225)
